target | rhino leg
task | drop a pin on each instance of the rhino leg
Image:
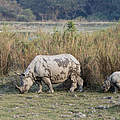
(116, 87)
(80, 83)
(40, 86)
(48, 83)
(73, 87)
(74, 83)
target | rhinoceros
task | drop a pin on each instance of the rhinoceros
(112, 81)
(51, 69)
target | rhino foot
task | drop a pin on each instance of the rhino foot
(80, 89)
(51, 91)
(72, 89)
(40, 91)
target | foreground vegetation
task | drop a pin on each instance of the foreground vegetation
(60, 105)
(98, 52)
(99, 55)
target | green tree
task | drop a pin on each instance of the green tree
(71, 26)
(26, 15)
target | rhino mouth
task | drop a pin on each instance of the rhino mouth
(103, 89)
(21, 89)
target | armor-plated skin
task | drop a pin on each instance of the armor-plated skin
(52, 69)
(112, 81)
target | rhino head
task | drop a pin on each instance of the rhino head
(106, 85)
(26, 81)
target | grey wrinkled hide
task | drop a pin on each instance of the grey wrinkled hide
(112, 81)
(52, 69)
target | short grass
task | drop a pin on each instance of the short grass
(61, 105)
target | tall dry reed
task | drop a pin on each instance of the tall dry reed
(98, 52)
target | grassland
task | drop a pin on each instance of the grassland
(61, 105)
(99, 55)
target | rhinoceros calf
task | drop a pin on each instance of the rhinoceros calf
(51, 69)
(112, 81)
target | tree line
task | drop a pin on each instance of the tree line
(30, 10)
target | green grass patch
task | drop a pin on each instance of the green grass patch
(61, 105)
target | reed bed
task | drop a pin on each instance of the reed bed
(98, 52)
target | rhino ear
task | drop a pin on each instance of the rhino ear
(22, 74)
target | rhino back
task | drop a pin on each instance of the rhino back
(57, 67)
(115, 77)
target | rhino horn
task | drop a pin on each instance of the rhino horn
(19, 88)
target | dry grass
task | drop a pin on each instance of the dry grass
(99, 56)
(98, 52)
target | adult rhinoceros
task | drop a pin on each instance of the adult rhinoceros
(51, 69)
